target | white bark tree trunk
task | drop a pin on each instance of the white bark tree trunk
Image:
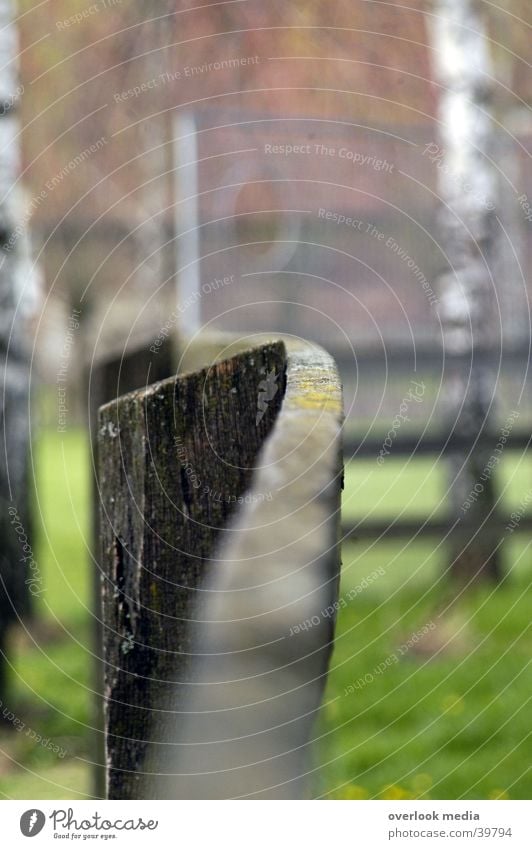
(469, 236)
(15, 300)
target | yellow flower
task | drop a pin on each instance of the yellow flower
(453, 704)
(498, 794)
(354, 791)
(395, 792)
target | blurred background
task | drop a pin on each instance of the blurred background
(352, 172)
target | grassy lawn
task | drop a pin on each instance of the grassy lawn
(446, 718)
(51, 664)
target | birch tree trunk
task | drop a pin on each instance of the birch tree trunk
(468, 235)
(18, 570)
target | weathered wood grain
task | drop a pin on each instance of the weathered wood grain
(173, 460)
(110, 376)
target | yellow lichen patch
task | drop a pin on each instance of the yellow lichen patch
(309, 395)
(317, 402)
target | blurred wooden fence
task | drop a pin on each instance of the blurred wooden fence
(477, 530)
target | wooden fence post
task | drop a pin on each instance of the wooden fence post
(111, 376)
(209, 480)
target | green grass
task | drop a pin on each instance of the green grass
(51, 663)
(417, 487)
(449, 719)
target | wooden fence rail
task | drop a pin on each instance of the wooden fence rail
(467, 525)
(477, 535)
(219, 493)
(431, 358)
(495, 526)
(423, 444)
